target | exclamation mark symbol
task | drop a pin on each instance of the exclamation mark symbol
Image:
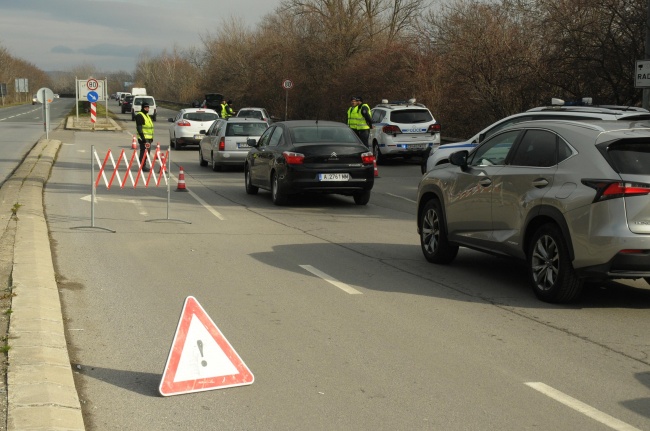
(200, 344)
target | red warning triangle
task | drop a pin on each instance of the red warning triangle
(201, 359)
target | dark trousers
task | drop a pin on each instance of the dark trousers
(144, 151)
(364, 135)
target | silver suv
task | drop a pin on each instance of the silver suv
(402, 129)
(569, 197)
(556, 111)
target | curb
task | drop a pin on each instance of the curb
(40, 383)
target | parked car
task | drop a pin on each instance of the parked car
(136, 106)
(259, 113)
(187, 125)
(126, 104)
(568, 197)
(307, 156)
(402, 129)
(557, 110)
(212, 101)
(226, 142)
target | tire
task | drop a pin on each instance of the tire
(202, 162)
(277, 196)
(215, 167)
(155, 116)
(250, 188)
(425, 158)
(433, 235)
(132, 116)
(172, 143)
(377, 153)
(549, 266)
(362, 198)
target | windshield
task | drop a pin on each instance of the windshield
(200, 116)
(411, 116)
(245, 129)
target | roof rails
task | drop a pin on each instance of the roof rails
(387, 103)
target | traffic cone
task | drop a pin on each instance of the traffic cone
(134, 143)
(181, 181)
(376, 170)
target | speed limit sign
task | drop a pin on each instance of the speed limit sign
(92, 84)
(287, 84)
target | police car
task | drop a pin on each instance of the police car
(402, 129)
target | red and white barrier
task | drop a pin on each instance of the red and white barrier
(93, 112)
(129, 164)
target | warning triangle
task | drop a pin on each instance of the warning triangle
(201, 359)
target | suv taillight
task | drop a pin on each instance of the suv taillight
(434, 128)
(608, 189)
(222, 144)
(391, 130)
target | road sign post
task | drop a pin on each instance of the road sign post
(287, 85)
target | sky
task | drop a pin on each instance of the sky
(59, 35)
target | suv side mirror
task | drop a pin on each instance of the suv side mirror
(459, 158)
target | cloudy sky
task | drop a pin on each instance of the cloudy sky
(111, 34)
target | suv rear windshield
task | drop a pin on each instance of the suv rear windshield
(630, 157)
(411, 116)
(250, 113)
(140, 100)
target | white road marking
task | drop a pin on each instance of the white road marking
(136, 202)
(401, 197)
(581, 407)
(344, 287)
(214, 212)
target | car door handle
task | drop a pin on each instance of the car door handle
(485, 182)
(540, 183)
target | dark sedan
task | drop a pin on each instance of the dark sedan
(126, 104)
(308, 156)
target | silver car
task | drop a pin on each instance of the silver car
(226, 142)
(568, 197)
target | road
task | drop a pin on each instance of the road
(396, 344)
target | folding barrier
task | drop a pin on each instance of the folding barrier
(132, 167)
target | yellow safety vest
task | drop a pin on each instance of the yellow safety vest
(226, 111)
(355, 118)
(147, 127)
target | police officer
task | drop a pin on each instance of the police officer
(226, 109)
(144, 127)
(360, 119)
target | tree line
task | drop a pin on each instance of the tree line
(471, 62)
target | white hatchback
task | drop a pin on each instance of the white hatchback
(187, 125)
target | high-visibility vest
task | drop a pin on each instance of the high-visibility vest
(355, 118)
(147, 127)
(226, 111)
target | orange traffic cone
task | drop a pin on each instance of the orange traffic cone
(134, 143)
(376, 170)
(181, 181)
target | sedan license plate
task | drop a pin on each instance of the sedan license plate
(242, 145)
(333, 177)
(199, 137)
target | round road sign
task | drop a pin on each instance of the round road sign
(287, 84)
(48, 96)
(92, 84)
(92, 96)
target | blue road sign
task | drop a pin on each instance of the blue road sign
(93, 96)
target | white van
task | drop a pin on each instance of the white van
(136, 106)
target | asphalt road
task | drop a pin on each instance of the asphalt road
(343, 323)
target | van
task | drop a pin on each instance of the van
(136, 106)
(139, 91)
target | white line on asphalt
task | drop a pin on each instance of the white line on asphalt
(136, 202)
(581, 407)
(201, 201)
(401, 197)
(344, 287)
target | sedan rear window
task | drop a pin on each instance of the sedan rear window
(411, 116)
(245, 129)
(630, 157)
(314, 134)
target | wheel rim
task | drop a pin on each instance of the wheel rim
(545, 262)
(431, 231)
